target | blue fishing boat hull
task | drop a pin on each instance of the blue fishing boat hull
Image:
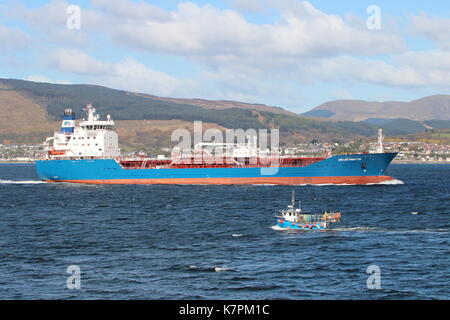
(302, 226)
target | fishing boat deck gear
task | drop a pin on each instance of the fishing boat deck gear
(294, 218)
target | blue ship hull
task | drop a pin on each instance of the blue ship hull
(339, 169)
(302, 226)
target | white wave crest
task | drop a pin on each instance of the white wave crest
(389, 182)
(209, 269)
(21, 181)
(395, 231)
(220, 269)
(356, 229)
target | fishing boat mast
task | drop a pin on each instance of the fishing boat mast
(293, 200)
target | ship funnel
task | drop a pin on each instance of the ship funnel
(68, 123)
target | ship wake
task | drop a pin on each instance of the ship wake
(21, 181)
(389, 182)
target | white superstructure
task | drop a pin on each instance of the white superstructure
(247, 149)
(92, 138)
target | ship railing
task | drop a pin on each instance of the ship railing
(62, 157)
(247, 163)
(316, 218)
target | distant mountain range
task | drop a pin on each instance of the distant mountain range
(435, 107)
(30, 111)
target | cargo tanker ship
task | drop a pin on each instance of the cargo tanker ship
(88, 152)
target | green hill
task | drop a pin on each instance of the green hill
(438, 124)
(126, 107)
(400, 126)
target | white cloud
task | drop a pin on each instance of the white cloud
(76, 61)
(12, 39)
(236, 58)
(249, 5)
(128, 74)
(411, 69)
(207, 31)
(302, 31)
(125, 10)
(433, 28)
(132, 75)
(50, 20)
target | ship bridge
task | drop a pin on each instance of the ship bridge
(92, 138)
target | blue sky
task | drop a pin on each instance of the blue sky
(289, 53)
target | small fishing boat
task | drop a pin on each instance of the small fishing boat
(294, 218)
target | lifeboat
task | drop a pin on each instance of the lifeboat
(56, 152)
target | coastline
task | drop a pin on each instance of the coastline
(418, 162)
(15, 161)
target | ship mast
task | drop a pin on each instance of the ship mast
(380, 147)
(293, 200)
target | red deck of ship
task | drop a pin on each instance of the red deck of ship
(218, 163)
